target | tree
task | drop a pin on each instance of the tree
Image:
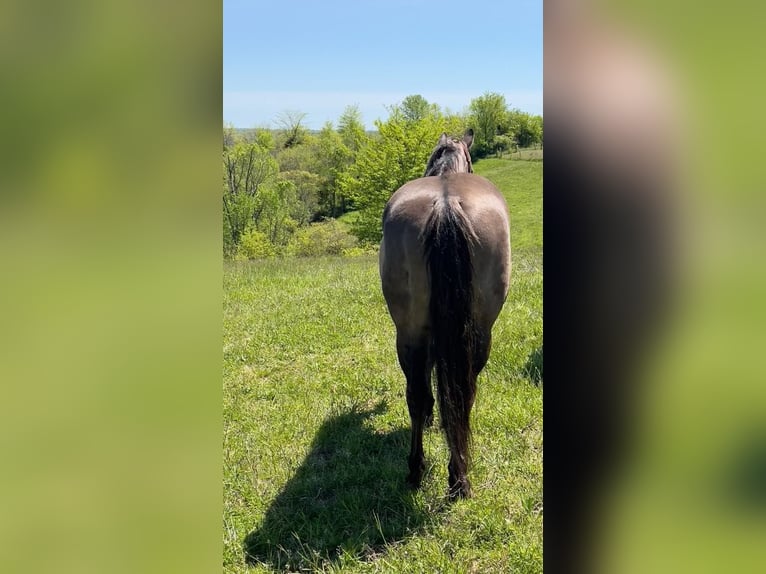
(386, 163)
(229, 136)
(542, 130)
(307, 186)
(257, 198)
(351, 129)
(247, 170)
(489, 116)
(302, 157)
(277, 204)
(504, 143)
(264, 138)
(293, 131)
(276, 182)
(526, 128)
(415, 108)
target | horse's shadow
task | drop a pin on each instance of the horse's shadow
(349, 496)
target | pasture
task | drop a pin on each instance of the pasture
(316, 428)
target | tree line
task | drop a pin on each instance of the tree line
(284, 188)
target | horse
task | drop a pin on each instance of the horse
(445, 266)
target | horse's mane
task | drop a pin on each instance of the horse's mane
(446, 158)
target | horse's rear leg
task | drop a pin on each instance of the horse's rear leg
(482, 346)
(416, 363)
(459, 485)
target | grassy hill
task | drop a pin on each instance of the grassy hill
(521, 183)
(316, 430)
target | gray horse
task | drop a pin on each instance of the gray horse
(445, 264)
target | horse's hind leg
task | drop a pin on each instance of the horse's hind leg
(459, 485)
(414, 358)
(482, 345)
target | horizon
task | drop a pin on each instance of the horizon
(368, 128)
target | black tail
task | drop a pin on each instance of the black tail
(447, 238)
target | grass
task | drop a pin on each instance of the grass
(316, 430)
(522, 184)
(525, 153)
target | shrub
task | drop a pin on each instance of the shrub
(359, 251)
(255, 245)
(325, 238)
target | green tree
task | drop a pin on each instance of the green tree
(398, 155)
(307, 189)
(540, 122)
(293, 132)
(503, 144)
(333, 160)
(489, 117)
(415, 108)
(247, 170)
(277, 204)
(229, 136)
(300, 157)
(351, 129)
(526, 128)
(264, 138)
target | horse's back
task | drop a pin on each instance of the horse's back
(483, 204)
(475, 193)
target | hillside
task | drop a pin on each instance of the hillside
(316, 429)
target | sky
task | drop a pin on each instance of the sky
(317, 57)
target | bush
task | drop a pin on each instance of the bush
(325, 238)
(254, 245)
(360, 251)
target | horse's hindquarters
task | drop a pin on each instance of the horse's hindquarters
(402, 255)
(403, 279)
(492, 272)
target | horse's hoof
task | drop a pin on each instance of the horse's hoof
(459, 491)
(415, 476)
(414, 481)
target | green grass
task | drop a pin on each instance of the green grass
(316, 430)
(521, 182)
(525, 153)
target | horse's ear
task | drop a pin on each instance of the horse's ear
(468, 138)
(443, 139)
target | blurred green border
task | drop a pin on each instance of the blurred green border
(111, 299)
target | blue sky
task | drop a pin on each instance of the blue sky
(319, 56)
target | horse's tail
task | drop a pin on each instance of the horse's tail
(448, 237)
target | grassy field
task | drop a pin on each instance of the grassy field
(316, 430)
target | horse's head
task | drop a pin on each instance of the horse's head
(451, 155)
